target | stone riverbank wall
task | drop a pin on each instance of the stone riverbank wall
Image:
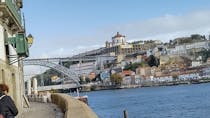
(72, 107)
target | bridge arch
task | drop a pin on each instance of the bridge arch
(66, 71)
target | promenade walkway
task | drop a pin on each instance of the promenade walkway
(42, 110)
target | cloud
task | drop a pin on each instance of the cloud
(164, 28)
(167, 25)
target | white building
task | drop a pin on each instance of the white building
(157, 51)
(178, 50)
(163, 79)
(118, 39)
(204, 44)
(196, 63)
(189, 76)
(83, 68)
(126, 80)
(182, 49)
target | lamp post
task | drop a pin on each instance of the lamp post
(30, 40)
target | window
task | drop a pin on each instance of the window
(14, 1)
(7, 49)
(6, 46)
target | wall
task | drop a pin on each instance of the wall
(2, 46)
(13, 77)
(72, 108)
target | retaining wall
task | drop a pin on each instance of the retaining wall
(72, 107)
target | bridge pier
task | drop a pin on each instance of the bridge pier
(35, 90)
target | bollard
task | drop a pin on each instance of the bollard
(125, 114)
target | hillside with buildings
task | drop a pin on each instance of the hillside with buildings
(137, 61)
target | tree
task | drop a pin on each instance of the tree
(175, 77)
(205, 54)
(68, 63)
(133, 66)
(116, 79)
(152, 61)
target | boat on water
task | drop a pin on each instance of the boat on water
(194, 81)
(83, 98)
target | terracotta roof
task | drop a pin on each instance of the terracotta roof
(118, 35)
(127, 72)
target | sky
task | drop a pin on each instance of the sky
(68, 27)
(62, 28)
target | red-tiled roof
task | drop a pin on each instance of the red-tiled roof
(127, 72)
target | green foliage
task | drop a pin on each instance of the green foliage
(185, 40)
(108, 65)
(46, 77)
(116, 79)
(175, 77)
(68, 63)
(204, 53)
(192, 39)
(133, 66)
(153, 61)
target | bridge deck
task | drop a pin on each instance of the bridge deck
(55, 87)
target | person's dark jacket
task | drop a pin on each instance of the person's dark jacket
(7, 107)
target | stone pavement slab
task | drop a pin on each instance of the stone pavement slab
(42, 110)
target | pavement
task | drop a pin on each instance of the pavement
(42, 110)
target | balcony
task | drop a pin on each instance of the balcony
(10, 15)
(19, 42)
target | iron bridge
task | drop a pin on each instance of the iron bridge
(54, 64)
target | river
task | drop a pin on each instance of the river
(182, 101)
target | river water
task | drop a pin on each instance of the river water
(182, 101)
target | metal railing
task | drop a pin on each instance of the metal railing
(84, 58)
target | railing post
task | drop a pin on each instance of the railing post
(125, 114)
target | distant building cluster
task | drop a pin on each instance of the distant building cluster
(182, 58)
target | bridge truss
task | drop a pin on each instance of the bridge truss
(47, 63)
(50, 62)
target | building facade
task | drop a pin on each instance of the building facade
(13, 48)
(190, 47)
(83, 68)
(119, 46)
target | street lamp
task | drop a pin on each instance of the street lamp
(30, 40)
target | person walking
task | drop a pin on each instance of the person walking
(7, 105)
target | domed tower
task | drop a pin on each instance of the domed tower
(118, 39)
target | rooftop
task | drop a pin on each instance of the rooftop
(118, 35)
